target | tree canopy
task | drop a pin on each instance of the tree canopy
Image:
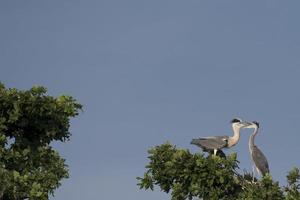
(29, 121)
(208, 177)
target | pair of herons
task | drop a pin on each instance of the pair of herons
(215, 144)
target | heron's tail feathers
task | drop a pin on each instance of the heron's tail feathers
(195, 141)
(198, 141)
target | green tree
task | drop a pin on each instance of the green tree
(186, 175)
(29, 121)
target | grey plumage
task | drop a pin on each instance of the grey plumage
(216, 143)
(210, 146)
(259, 159)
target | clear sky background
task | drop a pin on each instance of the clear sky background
(154, 71)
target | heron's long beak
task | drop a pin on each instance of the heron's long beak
(245, 123)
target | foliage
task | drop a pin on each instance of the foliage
(293, 187)
(188, 175)
(29, 121)
(266, 189)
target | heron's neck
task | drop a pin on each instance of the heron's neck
(235, 138)
(251, 139)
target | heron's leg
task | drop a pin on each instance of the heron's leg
(215, 151)
(258, 172)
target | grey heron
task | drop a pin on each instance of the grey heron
(259, 159)
(216, 143)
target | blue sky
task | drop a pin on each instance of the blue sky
(154, 71)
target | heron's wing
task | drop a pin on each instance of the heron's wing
(208, 143)
(222, 137)
(260, 160)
